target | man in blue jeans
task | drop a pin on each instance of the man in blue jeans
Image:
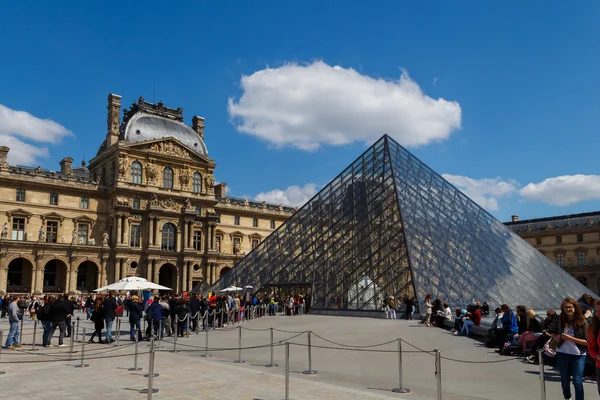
(110, 308)
(12, 340)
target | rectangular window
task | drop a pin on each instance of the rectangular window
(199, 210)
(20, 194)
(255, 242)
(580, 237)
(18, 229)
(558, 239)
(134, 236)
(136, 203)
(581, 258)
(272, 224)
(218, 243)
(560, 260)
(197, 240)
(538, 241)
(255, 222)
(84, 202)
(51, 231)
(53, 199)
(237, 245)
(236, 220)
(82, 233)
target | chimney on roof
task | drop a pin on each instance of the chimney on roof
(66, 166)
(515, 218)
(198, 125)
(221, 190)
(114, 119)
(3, 155)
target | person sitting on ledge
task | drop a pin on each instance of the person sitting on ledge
(485, 309)
(443, 315)
(534, 330)
(551, 325)
(509, 327)
(458, 321)
(473, 319)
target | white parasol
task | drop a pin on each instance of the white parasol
(232, 289)
(132, 283)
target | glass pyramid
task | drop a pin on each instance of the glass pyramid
(388, 225)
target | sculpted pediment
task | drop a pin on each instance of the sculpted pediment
(169, 147)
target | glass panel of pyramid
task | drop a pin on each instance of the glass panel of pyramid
(388, 225)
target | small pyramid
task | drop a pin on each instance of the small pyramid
(389, 225)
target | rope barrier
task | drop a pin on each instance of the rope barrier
(355, 346)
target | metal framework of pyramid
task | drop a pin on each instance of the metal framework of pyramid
(388, 225)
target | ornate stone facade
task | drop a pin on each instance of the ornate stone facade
(146, 205)
(571, 241)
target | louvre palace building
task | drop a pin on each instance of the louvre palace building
(146, 205)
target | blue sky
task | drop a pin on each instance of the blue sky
(502, 99)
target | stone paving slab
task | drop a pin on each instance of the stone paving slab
(342, 373)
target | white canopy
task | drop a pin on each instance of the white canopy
(132, 283)
(232, 289)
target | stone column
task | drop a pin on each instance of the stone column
(99, 277)
(155, 270)
(123, 268)
(126, 223)
(179, 241)
(38, 283)
(3, 273)
(71, 277)
(149, 270)
(119, 228)
(184, 276)
(190, 277)
(103, 278)
(118, 269)
(150, 231)
(178, 281)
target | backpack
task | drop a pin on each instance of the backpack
(490, 339)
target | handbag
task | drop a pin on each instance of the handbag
(550, 348)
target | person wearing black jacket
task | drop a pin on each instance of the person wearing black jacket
(98, 318)
(59, 311)
(551, 326)
(194, 310)
(204, 305)
(173, 309)
(70, 306)
(45, 315)
(135, 315)
(110, 307)
(182, 313)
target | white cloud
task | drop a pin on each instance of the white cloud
(306, 106)
(484, 192)
(17, 127)
(292, 196)
(564, 190)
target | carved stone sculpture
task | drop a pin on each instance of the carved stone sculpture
(105, 239)
(92, 242)
(184, 177)
(63, 239)
(171, 149)
(74, 236)
(123, 163)
(39, 170)
(210, 181)
(151, 173)
(154, 200)
(41, 234)
(4, 231)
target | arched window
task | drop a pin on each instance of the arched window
(197, 183)
(136, 172)
(169, 235)
(168, 178)
(583, 280)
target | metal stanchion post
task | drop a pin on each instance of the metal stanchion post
(206, 345)
(438, 373)
(187, 325)
(118, 333)
(71, 344)
(82, 365)
(135, 356)
(214, 314)
(150, 375)
(1, 334)
(400, 388)
(287, 371)
(239, 360)
(175, 338)
(542, 376)
(271, 364)
(221, 320)
(34, 335)
(21, 329)
(309, 371)
(77, 331)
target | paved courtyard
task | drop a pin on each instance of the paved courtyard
(343, 373)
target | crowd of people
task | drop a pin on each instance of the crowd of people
(570, 340)
(165, 315)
